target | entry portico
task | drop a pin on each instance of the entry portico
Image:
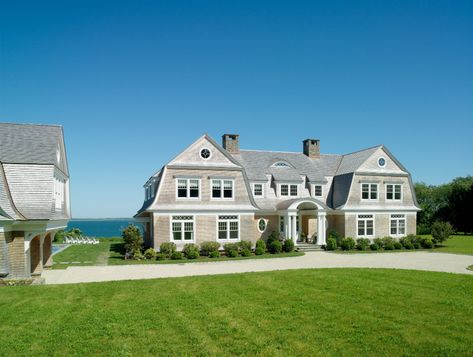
(297, 215)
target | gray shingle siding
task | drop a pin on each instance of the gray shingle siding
(28, 160)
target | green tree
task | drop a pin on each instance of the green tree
(132, 239)
(441, 231)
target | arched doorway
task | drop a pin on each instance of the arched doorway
(35, 256)
(304, 211)
(47, 250)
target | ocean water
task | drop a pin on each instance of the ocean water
(102, 227)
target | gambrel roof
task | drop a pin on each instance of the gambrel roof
(30, 155)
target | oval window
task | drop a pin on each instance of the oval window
(261, 225)
(205, 153)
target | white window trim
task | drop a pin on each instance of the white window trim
(176, 181)
(182, 241)
(227, 240)
(221, 190)
(385, 162)
(253, 189)
(288, 189)
(394, 184)
(364, 219)
(369, 192)
(265, 225)
(313, 190)
(391, 218)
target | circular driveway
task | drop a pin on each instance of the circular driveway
(439, 262)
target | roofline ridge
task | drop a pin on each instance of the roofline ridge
(33, 124)
(372, 147)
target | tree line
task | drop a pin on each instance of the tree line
(451, 202)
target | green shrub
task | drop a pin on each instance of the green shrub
(389, 246)
(259, 251)
(427, 243)
(191, 251)
(405, 241)
(347, 243)
(137, 255)
(335, 235)
(379, 242)
(261, 244)
(161, 256)
(231, 249)
(132, 238)
(275, 247)
(288, 245)
(214, 254)
(245, 253)
(150, 253)
(409, 246)
(167, 248)
(441, 231)
(362, 243)
(397, 245)
(416, 245)
(271, 238)
(208, 247)
(374, 246)
(176, 255)
(388, 241)
(244, 245)
(331, 244)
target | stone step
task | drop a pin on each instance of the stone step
(308, 247)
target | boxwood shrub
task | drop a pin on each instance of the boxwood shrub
(208, 247)
(167, 248)
(214, 254)
(176, 255)
(275, 247)
(347, 243)
(150, 253)
(288, 245)
(260, 244)
(374, 246)
(397, 245)
(259, 251)
(191, 251)
(331, 244)
(231, 249)
(362, 243)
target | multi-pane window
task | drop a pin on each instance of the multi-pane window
(398, 224)
(288, 190)
(258, 190)
(222, 189)
(182, 228)
(281, 224)
(393, 192)
(369, 191)
(59, 188)
(228, 227)
(318, 190)
(188, 188)
(365, 225)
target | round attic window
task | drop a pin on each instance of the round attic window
(381, 162)
(205, 153)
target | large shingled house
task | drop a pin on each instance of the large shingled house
(222, 193)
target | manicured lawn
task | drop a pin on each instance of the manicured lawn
(82, 255)
(459, 244)
(300, 312)
(111, 251)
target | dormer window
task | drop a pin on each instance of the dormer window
(281, 164)
(317, 190)
(258, 190)
(288, 190)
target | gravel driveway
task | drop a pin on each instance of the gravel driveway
(441, 262)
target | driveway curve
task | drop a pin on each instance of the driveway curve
(439, 262)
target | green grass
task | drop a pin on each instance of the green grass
(459, 244)
(366, 312)
(82, 255)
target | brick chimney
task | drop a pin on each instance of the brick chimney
(311, 148)
(230, 143)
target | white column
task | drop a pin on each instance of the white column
(287, 226)
(293, 228)
(299, 217)
(321, 228)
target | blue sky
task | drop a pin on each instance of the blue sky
(133, 83)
